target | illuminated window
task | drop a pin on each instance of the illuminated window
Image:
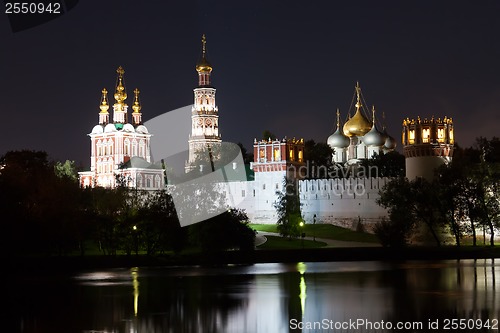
(441, 134)
(277, 156)
(426, 135)
(262, 155)
(291, 154)
(300, 155)
(451, 136)
(411, 137)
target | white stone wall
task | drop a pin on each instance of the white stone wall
(344, 202)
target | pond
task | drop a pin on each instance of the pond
(361, 296)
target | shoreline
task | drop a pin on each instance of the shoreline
(78, 263)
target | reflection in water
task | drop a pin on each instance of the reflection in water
(255, 298)
(301, 267)
(135, 284)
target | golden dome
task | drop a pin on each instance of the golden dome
(203, 65)
(358, 125)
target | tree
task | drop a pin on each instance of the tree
(397, 197)
(415, 201)
(158, 226)
(318, 156)
(229, 230)
(287, 207)
(267, 134)
(247, 157)
(66, 169)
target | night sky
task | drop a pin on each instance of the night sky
(284, 66)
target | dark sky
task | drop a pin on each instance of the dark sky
(279, 65)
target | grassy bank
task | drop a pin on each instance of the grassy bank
(326, 231)
(27, 266)
(277, 242)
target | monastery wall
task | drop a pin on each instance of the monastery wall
(345, 202)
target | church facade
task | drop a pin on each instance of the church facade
(120, 147)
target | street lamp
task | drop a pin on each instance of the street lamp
(303, 234)
(136, 243)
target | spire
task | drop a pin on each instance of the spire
(137, 106)
(136, 114)
(358, 96)
(383, 121)
(104, 114)
(120, 92)
(203, 45)
(373, 115)
(120, 108)
(203, 67)
(104, 101)
(338, 118)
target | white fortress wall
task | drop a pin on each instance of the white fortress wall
(344, 201)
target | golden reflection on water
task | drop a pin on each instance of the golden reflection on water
(301, 267)
(134, 272)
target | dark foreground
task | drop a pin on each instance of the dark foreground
(55, 264)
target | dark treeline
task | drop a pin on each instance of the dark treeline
(461, 200)
(45, 212)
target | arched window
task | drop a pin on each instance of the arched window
(157, 181)
(127, 147)
(134, 148)
(141, 149)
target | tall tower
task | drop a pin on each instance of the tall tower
(427, 145)
(205, 114)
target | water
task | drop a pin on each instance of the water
(301, 297)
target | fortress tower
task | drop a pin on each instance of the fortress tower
(205, 114)
(427, 145)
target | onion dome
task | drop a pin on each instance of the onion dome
(203, 65)
(120, 92)
(374, 137)
(358, 125)
(338, 139)
(104, 101)
(390, 142)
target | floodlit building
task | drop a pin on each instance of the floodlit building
(359, 138)
(428, 144)
(120, 149)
